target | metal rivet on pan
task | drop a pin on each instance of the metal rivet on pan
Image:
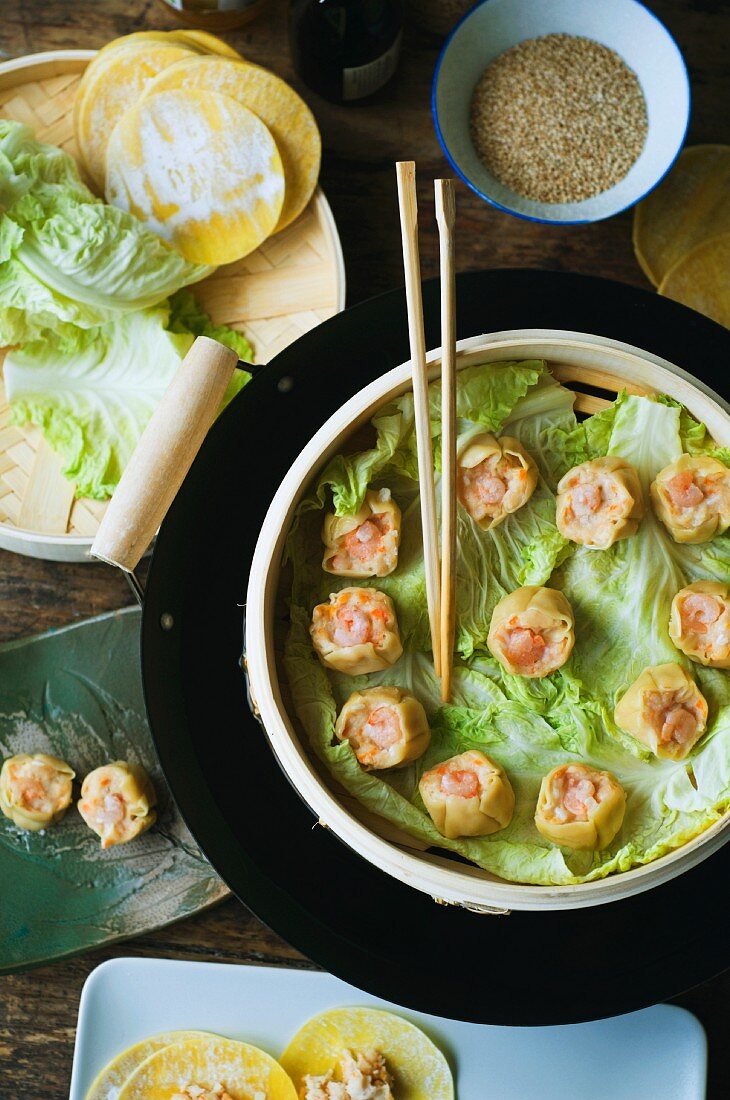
(166, 621)
(285, 384)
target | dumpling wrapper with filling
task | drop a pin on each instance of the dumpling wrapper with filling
(35, 790)
(385, 726)
(200, 171)
(468, 795)
(356, 632)
(599, 502)
(366, 543)
(115, 1073)
(691, 497)
(699, 623)
(417, 1066)
(220, 1067)
(532, 631)
(495, 477)
(580, 807)
(665, 710)
(117, 802)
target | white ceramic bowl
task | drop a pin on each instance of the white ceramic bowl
(625, 26)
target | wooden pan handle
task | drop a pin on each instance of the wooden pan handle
(164, 454)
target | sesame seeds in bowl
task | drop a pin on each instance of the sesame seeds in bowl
(563, 112)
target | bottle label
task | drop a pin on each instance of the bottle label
(365, 79)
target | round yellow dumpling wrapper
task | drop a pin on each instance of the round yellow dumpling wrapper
(285, 113)
(115, 1074)
(182, 1068)
(112, 83)
(203, 40)
(200, 170)
(417, 1067)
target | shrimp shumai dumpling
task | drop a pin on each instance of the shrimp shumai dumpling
(366, 543)
(580, 807)
(691, 497)
(531, 632)
(699, 623)
(357, 631)
(35, 791)
(599, 502)
(494, 478)
(385, 726)
(468, 795)
(665, 710)
(117, 802)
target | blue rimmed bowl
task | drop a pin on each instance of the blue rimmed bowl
(625, 26)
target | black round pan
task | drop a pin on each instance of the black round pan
(371, 930)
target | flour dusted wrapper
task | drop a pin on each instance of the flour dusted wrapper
(208, 1064)
(199, 170)
(115, 1074)
(687, 208)
(110, 86)
(285, 113)
(701, 279)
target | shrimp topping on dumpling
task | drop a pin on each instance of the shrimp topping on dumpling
(699, 623)
(357, 631)
(494, 478)
(366, 543)
(691, 497)
(580, 807)
(35, 791)
(599, 502)
(117, 802)
(385, 726)
(531, 632)
(468, 795)
(665, 710)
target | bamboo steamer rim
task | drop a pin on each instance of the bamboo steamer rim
(573, 357)
(38, 68)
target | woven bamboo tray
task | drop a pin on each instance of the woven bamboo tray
(596, 368)
(294, 281)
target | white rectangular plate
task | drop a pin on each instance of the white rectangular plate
(659, 1051)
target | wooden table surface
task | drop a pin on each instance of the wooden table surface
(38, 1010)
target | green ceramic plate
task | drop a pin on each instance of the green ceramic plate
(77, 693)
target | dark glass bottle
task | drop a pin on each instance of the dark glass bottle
(345, 50)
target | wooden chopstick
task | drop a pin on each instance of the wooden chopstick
(445, 214)
(406, 176)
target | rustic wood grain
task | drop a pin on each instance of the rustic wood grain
(38, 1009)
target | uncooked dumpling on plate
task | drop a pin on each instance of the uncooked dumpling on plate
(358, 1048)
(699, 623)
(665, 710)
(208, 1068)
(580, 807)
(495, 477)
(691, 497)
(531, 631)
(468, 795)
(356, 632)
(35, 790)
(117, 802)
(386, 727)
(599, 502)
(116, 1073)
(366, 543)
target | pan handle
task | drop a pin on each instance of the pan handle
(164, 454)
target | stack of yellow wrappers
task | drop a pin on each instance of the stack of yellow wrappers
(213, 153)
(682, 232)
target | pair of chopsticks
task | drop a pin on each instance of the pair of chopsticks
(439, 567)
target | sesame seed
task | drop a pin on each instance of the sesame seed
(558, 119)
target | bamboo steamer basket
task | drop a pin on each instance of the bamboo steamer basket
(295, 280)
(594, 367)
